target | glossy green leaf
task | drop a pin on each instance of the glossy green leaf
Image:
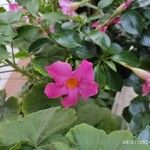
(132, 22)
(104, 3)
(114, 80)
(146, 38)
(67, 39)
(100, 39)
(126, 57)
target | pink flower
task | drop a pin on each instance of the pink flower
(72, 85)
(99, 27)
(127, 3)
(146, 87)
(14, 7)
(68, 7)
(145, 75)
(116, 20)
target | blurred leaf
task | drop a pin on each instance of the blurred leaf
(104, 3)
(85, 137)
(132, 22)
(35, 99)
(114, 80)
(3, 52)
(10, 17)
(100, 39)
(100, 75)
(146, 38)
(9, 109)
(39, 65)
(38, 128)
(33, 7)
(39, 44)
(111, 65)
(145, 135)
(140, 113)
(126, 57)
(114, 49)
(67, 39)
(141, 3)
(22, 54)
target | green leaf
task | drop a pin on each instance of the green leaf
(100, 75)
(9, 109)
(96, 115)
(22, 54)
(126, 57)
(104, 3)
(67, 39)
(10, 17)
(132, 22)
(39, 65)
(53, 17)
(3, 53)
(145, 135)
(87, 50)
(146, 38)
(33, 7)
(39, 129)
(141, 3)
(140, 114)
(35, 99)
(39, 44)
(114, 49)
(114, 80)
(85, 137)
(111, 65)
(100, 39)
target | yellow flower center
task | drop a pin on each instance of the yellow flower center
(72, 83)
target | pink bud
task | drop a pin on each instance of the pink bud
(14, 7)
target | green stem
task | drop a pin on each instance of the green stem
(18, 69)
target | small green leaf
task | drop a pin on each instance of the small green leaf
(67, 39)
(35, 99)
(114, 80)
(126, 57)
(146, 38)
(100, 75)
(3, 53)
(33, 7)
(104, 3)
(132, 22)
(100, 39)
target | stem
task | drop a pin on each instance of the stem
(18, 69)
(13, 55)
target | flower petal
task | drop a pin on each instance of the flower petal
(146, 88)
(85, 71)
(87, 89)
(53, 90)
(59, 71)
(71, 99)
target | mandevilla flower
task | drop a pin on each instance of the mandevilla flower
(145, 75)
(68, 7)
(14, 7)
(72, 85)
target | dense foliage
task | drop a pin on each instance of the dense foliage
(113, 38)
